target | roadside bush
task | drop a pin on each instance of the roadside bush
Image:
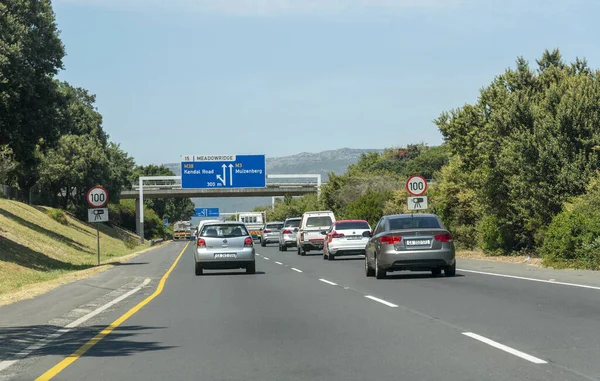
(368, 207)
(58, 216)
(573, 240)
(494, 237)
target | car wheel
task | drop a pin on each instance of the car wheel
(263, 243)
(283, 248)
(324, 256)
(280, 249)
(302, 251)
(298, 250)
(251, 269)
(198, 269)
(369, 271)
(379, 272)
(330, 256)
(450, 270)
(436, 272)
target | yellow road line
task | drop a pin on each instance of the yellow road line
(56, 369)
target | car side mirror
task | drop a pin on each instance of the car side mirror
(323, 233)
(295, 230)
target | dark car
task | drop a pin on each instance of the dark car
(413, 242)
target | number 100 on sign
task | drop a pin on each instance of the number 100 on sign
(416, 185)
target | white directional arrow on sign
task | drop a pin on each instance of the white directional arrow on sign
(224, 178)
(230, 174)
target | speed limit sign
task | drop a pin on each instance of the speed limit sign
(416, 185)
(97, 197)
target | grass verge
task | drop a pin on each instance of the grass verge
(474, 254)
(36, 249)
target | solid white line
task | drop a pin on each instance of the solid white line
(531, 279)
(295, 269)
(505, 348)
(328, 282)
(381, 301)
(40, 344)
(266, 258)
(279, 263)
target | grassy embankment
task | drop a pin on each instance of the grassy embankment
(42, 247)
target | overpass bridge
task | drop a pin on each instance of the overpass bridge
(151, 187)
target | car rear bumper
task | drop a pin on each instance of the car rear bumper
(242, 255)
(347, 248)
(417, 260)
(271, 238)
(312, 245)
(226, 265)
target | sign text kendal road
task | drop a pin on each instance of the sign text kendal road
(224, 171)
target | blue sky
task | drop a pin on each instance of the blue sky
(280, 77)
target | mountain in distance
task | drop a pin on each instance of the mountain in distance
(336, 161)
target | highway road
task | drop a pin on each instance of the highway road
(303, 318)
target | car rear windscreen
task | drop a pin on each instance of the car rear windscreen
(274, 226)
(425, 222)
(317, 222)
(292, 224)
(354, 225)
(224, 231)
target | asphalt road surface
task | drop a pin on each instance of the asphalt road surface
(303, 318)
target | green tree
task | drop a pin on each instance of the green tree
(527, 146)
(30, 55)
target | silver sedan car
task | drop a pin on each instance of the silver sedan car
(270, 233)
(224, 245)
(414, 242)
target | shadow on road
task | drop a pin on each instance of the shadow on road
(349, 258)
(123, 341)
(221, 273)
(128, 263)
(420, 275)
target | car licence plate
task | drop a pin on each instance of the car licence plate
(354, 237)
(225, 255)
(418, 242)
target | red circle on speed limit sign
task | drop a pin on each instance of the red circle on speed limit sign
(416, 185)
(97, 197)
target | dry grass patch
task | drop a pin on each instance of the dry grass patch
(473, 254)
(35, 248)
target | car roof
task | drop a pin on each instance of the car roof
(293, 218)
(274, 222)
(338, 221)
(411, 215)
(223, 223)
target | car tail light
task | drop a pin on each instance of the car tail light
(337, 235)
(301, 236)
(266, 231)
(444, 237)
(390, 240)
(248, 241)
(287, 231)
(201, 243)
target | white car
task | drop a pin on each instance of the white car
(309, 236)
(346, 237)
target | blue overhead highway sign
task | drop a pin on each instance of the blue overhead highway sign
(206, 212)
(223, 171)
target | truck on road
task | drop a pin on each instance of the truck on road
(254, 222)
(182, 230)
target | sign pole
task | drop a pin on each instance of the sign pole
(98, 239)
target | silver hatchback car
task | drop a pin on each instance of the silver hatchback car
(414, 242)
(224, 245)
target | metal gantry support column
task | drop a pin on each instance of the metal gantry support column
(141, 199)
